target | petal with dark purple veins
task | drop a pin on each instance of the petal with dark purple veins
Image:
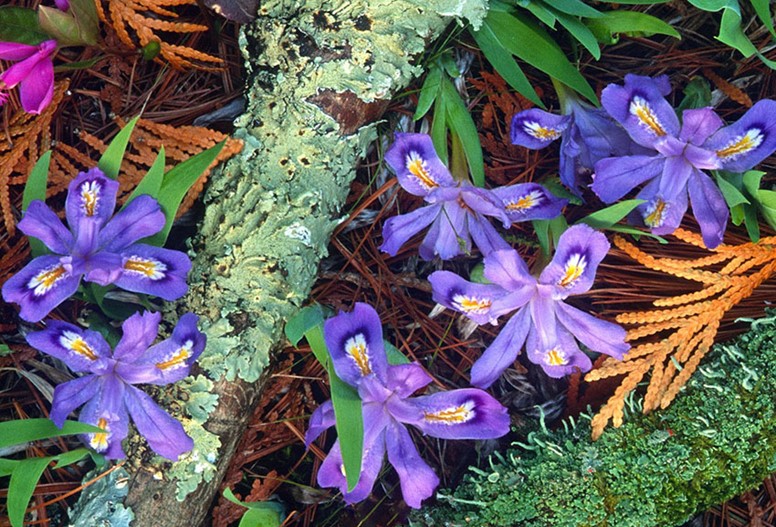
(598, 335)
(355, 343)
(473, 300)
(745, 143)
(154, 270)
(399, 229)
(417, 480)
(536, 128)
(529, 201)
(165, 435)
(698, 124)
(572, 270)
(448, 236)
(70, 395)
(484, 235)
(406, 379)
(331, 472)
(141, 218)
(709, 208)
(102, 268)
(41, 222)
(107, 411)
(559, 358)
(417, 165)
(484, 202)
(321, 420)
(503, 351)
(91, 196)
(80, 349)
(661, 214)
(507, 269)
(616, 176)
(40, 286)
(138, 333)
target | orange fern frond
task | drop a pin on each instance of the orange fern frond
(672, 340)
(142, 17)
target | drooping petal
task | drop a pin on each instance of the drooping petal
(70, 395)
(80, 349)
(321, 420)
(165, 435)
(466, 413)
(154, 270)
(16, 51)
(473, 300)
(507, 269)
(91, 196)
(529, 201)
(406, 379)
(536, 128)
(484, 202)
(698, 124)
(572, 270)
(448, 236)
(331, 472)
(484, 235)
(138, 333)
(660, 213)
(616, 176)
(41, 285)
(37, 89)
(503, 351)
(598, 335)
(745, 143)
(416, 478)
(355, 343)
(141, 218)
(416, 164)
(709, 208)
(102, 268)
(399, 229)
(41, 222)
(107, 411)
(560, 358)
(27, 66)
(640, 107)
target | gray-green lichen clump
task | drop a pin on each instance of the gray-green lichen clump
(717, 440)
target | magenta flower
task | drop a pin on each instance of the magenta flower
(680, 153)
(543, 321)
(62, 5)
(97, 247)
(457, 210)
(108, 389)
(33, 72)
(355, 343)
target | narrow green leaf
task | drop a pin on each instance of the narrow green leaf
(175, 185)
(751, 222)
(306, 319)
(462, 125)
(7, 466)
(763, 10)
(23, 481)
(542, 230)
(750, 180)
(152, 181)
(35, 188)
(631, 23)
(19, 24)
(558, 226)
(636, 2)
(541, 12)
(110, 162)
(730, 191)
(21, 431)
(626, 229)
(504, 64)
(349, 421)
(582, 33)
(766, 199)
(428, 93)
(439, 129)
(80, 65)
(68, 458)
(395, 357)
(314, 337)
(554, 185)
(606, 218)
(575, 8)
(530, 43)
(259, 513)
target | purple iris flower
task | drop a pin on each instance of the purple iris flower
(107, 389)
(543, 321)
(679, 155)
(97, 247)
(457, 210)
(33, 72)
(355, 342)
(588, 134)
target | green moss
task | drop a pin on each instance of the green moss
(716, 440)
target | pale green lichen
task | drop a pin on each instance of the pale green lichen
(198, 465)
(100, 504)
(199, 402)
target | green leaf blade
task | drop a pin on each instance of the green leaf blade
(608, 217)
(462, 125)
(19, 24)
(110, 161)
(22, 431)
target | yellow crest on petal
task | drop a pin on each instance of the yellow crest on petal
(574, 268)
(99, 441)
(75, 343)
(471, 304)
(741, 145)
(177, 358)
(543, 133)
(417, 167)
(555, 357)
(525, 202)
(46, 279)
(453, 415)
(357, 350)
(655, 214)
(641, 109)
(90, 197)
(148, 267)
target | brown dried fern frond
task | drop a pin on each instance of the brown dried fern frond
(21, 143)
(179, 142)
(671, 341)
(149, 20)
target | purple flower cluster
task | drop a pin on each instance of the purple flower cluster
(355, 343)
(98, 247)
(456, 210)
(108, 389)
(544, 323)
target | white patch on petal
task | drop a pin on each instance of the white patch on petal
(525, 202)
(356, 349)
(641, 110)
(471, 304)
(741, 145)
(542, 133)
(146, 267)
(454, 415)
(100, 441)
(177, 359)
(46, 279)
(75, 343)
(655, 214)
(417, 166)
(555, 357)
(575, 266)
(91, 192)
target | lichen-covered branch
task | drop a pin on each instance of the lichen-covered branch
(717, 440)
(319, 73)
